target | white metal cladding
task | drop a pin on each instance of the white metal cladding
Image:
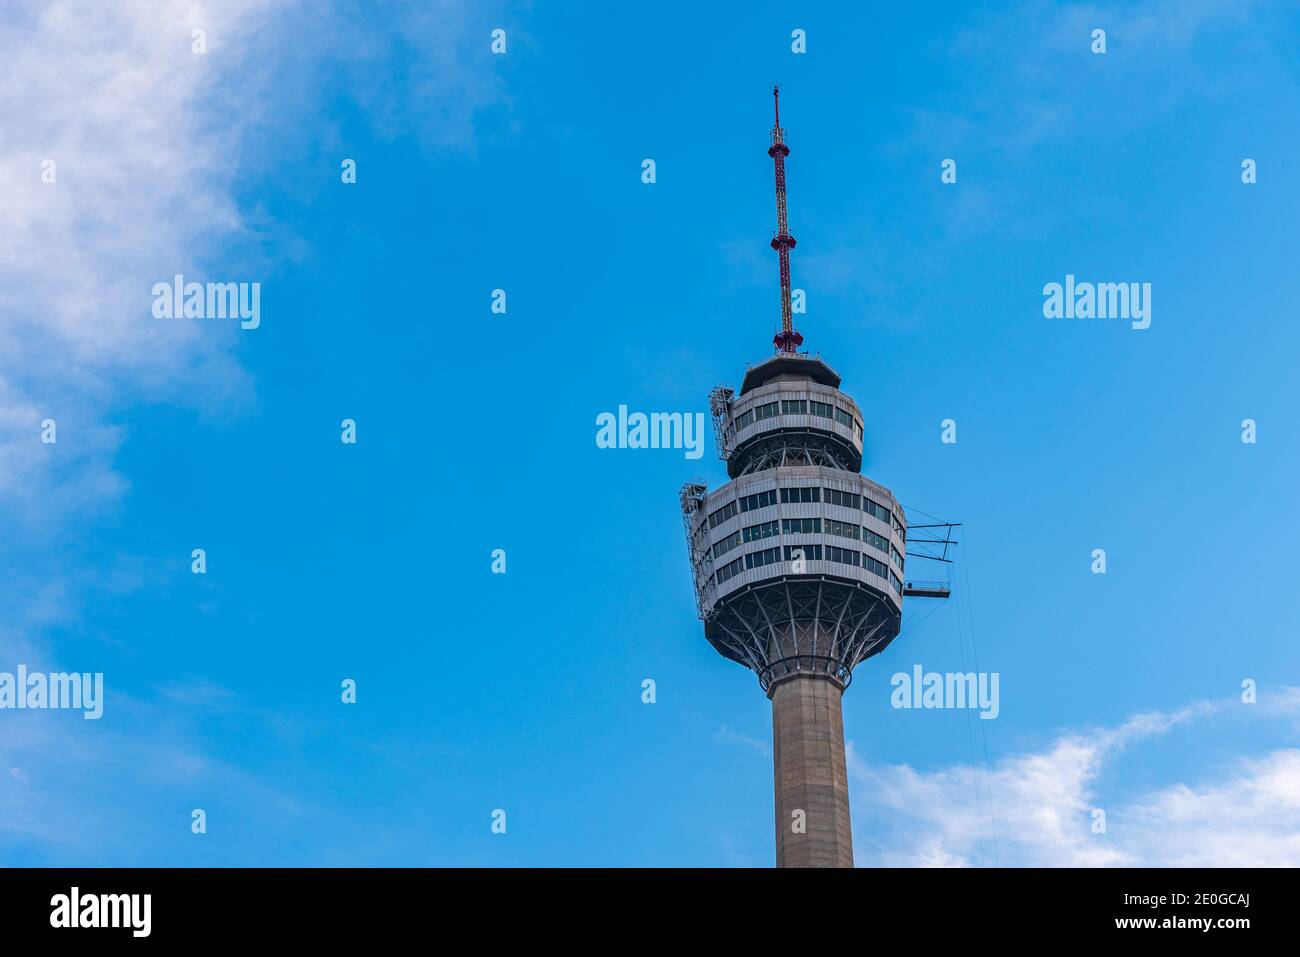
(704, 537)
(794, 422)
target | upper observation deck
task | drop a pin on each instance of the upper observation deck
(789, 412)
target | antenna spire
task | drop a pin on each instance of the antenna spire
(788, 339)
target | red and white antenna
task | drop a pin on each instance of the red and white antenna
(788, 339)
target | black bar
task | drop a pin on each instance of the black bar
(982, 908)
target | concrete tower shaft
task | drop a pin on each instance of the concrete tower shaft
(811, 778)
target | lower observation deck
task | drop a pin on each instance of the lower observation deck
(796, 521)
(798, 570)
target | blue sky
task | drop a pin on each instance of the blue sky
(476, 431)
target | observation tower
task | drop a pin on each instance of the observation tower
(798, 563)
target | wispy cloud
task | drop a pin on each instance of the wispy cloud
(76, 796)
(1032, 91)
(152, 146)
(1042, 801)
(151, 143)
(143, 188)
(725, 734)
(1039, 82)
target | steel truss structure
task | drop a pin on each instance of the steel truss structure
(816, 625)
(798, 448)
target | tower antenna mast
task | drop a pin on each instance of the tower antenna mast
(788, 340)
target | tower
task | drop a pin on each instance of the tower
(798, 564)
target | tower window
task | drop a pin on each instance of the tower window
(809, 553)
(758, 500)
(878, 542)
(729, 570)
(876, 509)
(845, 556)
(898, 559)
(726, 545)
(801, 526)
(875, 566)
(798, 495)
(847, 499)
(721, 515)
(843, 529)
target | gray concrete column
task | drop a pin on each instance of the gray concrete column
(810, 774)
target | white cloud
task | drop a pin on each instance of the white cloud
(153, 146)
(151, 142)
(1252, 819)
(725, 734)
(1039, 805)
(143, 190)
